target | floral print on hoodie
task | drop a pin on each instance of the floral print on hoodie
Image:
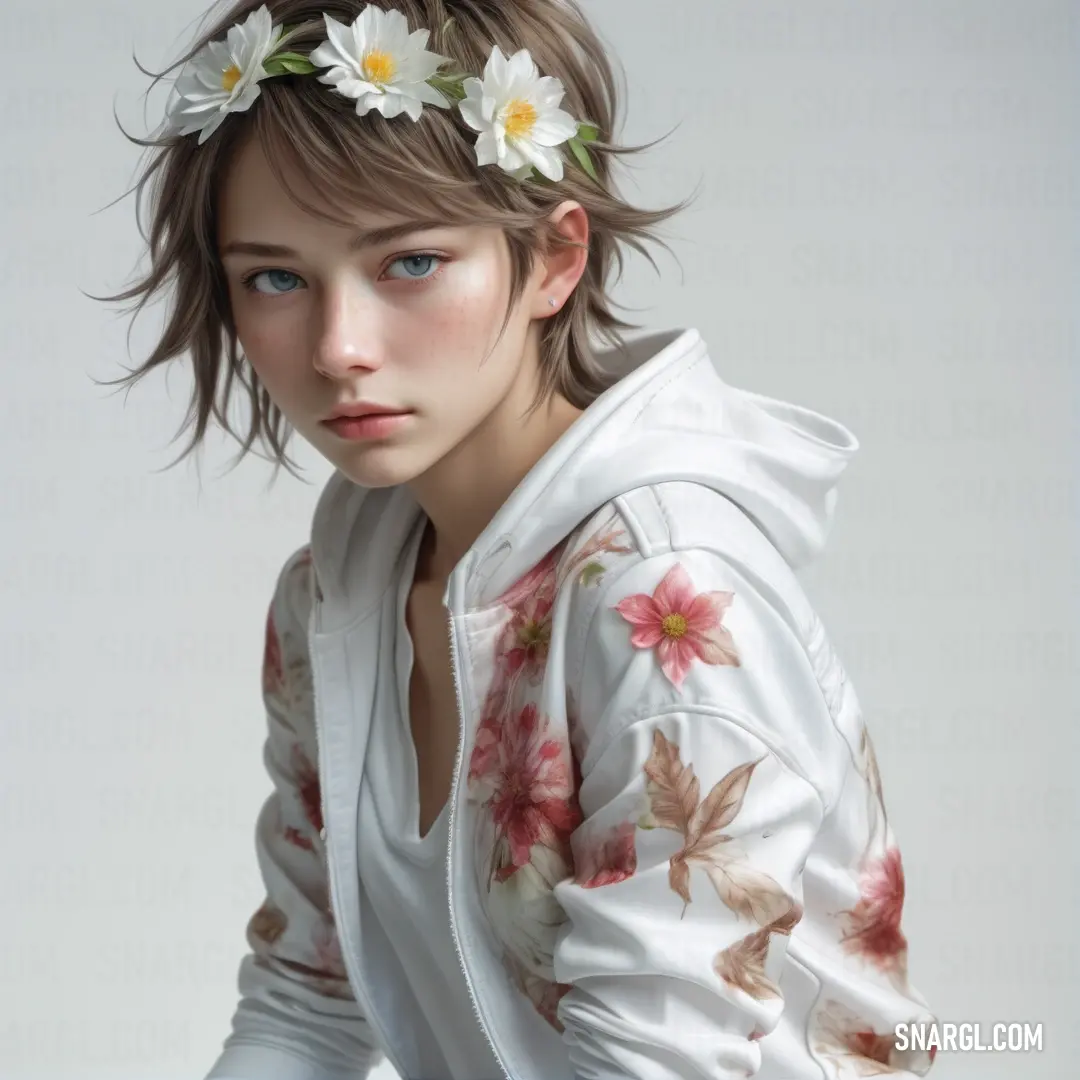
(523, 775)
(525, 772)
(295, 936)
(532, 837)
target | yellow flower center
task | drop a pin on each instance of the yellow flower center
(519, 117)
(230, 77)
(674, 625)
(379, 67)
(535, 635)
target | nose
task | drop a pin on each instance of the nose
(347, 336)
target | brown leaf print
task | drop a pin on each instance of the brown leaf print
(878, 820)
(857, 1050)
(742, 965)
(870, 770)
(613, 860)
(747, 891)
(273, 674)
(873, 925)
(266, 925)
(672, 790)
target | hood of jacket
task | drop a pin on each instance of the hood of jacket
(671, 416)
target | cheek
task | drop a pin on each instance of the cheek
(271, 350)
(468, 314)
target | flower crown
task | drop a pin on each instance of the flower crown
(377, 62)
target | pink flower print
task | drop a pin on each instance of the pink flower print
(614, 859)
(307, 782)
(525, 642)
(539, 581)
(485, 752)
(874, 923)
(680, 624)
(295, 837)
(532, 801)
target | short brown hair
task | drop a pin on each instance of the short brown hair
(395, 166)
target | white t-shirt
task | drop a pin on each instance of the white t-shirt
(405, 876)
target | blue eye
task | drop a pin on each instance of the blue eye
(416, 272)
(249, 281)
(420, 267)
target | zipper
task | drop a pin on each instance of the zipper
(450, 849)
(335, 904)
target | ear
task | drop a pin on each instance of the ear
(563, 265)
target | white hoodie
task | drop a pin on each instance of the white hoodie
(658, 744)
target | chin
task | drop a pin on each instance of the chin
(378, 470)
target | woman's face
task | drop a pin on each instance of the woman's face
(327, 318)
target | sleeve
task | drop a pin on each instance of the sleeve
(297, 1018)
(694, 716)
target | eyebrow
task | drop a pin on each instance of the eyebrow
(369, 238)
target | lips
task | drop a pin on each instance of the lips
(370, 425)
(355, 412)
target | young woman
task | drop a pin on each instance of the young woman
(569, 783)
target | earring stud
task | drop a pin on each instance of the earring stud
(551, 301)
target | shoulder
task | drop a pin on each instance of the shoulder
(646, 527)
(677, 603)
(294, 590)
(286, 667)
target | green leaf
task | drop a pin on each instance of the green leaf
(290, 56)
(450, 85)
(591, 573)
(288, 63)
(588, 133)
(583, 158)
(299, 67)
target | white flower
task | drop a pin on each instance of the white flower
(518, 116)
(223, 77)
(377, 61)
(523, 909)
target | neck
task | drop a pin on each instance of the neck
(462, 492)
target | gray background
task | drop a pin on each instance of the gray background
(888, 233)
